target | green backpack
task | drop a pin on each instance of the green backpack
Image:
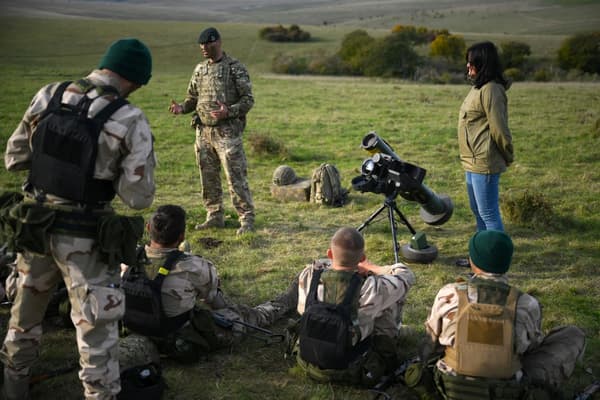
(326, 187)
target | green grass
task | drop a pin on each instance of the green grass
(324, 119)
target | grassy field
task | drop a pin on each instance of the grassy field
(555, 129)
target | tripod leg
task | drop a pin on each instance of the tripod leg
(371, 218)
(393, 228)
(403, 218)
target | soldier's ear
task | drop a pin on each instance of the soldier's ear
(329, 254)
(148, 226)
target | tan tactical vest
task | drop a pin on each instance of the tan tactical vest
(484, 340)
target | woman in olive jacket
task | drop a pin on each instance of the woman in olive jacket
(484, 139)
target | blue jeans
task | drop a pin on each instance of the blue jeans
(483, 199)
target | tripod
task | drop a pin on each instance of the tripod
(392, 208)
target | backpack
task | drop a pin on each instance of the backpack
(144, 313)
(326, 187)
(325, 333)
(65, 145)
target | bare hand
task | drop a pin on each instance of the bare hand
(221, 113)
(175, 108)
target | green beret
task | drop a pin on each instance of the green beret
(129, 58)
(491, 251)
(209, 35)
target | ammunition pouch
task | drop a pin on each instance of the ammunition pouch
(459, 387)
(32, 223)
(7, 223)
(117, 238)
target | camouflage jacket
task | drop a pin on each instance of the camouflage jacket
(226, 81)
(378, 294)
(441, 325)
(125, 145)
(192, 280)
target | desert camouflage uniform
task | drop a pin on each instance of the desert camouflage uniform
(381, 298)
(545, 360)
(194, 282)
(125, 156)
(220, 142)
(378, 318)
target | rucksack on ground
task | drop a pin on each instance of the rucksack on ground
(326, 186)
(326, 329)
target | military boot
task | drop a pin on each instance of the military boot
(245, 227)
(216, 221)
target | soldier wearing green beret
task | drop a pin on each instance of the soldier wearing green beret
(220, 95)
(485, 337)
(67, 198)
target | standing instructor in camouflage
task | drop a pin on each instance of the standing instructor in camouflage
(72, 245)
(220, 94)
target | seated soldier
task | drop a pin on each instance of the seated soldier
(371, 296)
(488, 338)
(190, 296)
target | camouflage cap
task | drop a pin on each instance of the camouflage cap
(284, 175)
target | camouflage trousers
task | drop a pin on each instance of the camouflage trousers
(218, 146)
(96, 306)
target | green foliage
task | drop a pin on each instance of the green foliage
(581, 52)
(281, 34)
(354, 50)
(514, 54)
(515, 74)
(265, 145)
(450, 47)
(542, 75)
(392, 56)
(418, 35)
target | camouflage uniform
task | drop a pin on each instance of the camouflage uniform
(379, 316)
(125, 156)
(220, 142)
(545, 360)
(193, 283)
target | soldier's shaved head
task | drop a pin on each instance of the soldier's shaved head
(347, 247)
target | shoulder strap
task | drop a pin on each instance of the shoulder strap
(311, 298)
(109, 110)
(355, 284)
(163, 271)
(56, 100)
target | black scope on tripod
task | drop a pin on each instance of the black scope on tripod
(385, 172)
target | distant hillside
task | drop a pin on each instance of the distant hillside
(560, 17)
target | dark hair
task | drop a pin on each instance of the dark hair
(484, 56)
(167, 224)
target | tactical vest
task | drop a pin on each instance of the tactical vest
(144, 313)
(65, 145)
(484, 341)
(215, 82)
(326, 328)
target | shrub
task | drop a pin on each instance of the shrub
(542, 75)
(284, 64)
(281, 34)
(514, 54)
(581, 52)
(263, 145)
(450, 47)
(527, 208)
(514, 73)
(392, 56)
(354, 50)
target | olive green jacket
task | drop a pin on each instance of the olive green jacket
(484, 139)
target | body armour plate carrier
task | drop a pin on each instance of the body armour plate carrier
(65, 145)
(144, 313)
(484, 340)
